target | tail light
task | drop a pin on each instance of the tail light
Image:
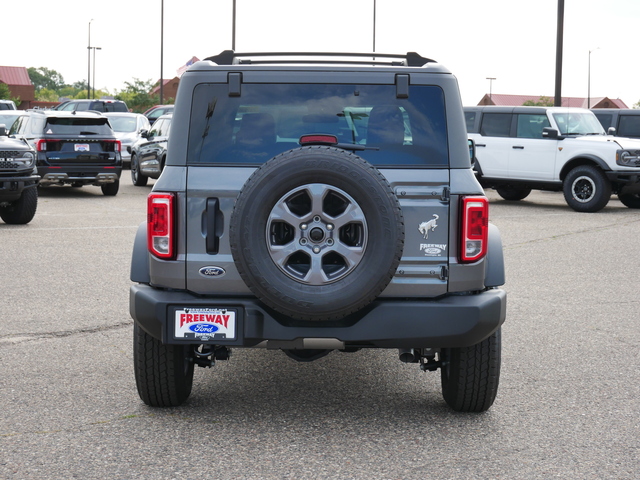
(117, 145)
(474, 229)
(160, 225)
(41, 145)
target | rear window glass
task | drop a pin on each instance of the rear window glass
(114, 107)
(629, 126)
(268, 119)
(123, 124)
(77, 126)
(8, 120)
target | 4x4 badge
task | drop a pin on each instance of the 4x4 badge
(426, 226)
(212, 272)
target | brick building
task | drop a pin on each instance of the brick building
(169, 89)
(20, 86)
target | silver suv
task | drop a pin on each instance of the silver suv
(313, 205)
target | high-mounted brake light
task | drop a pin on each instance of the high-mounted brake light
(160, 225)
(318, 140)
(474, 229)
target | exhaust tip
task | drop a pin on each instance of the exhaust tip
(407, 355)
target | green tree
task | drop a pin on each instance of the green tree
(542, 102)
(5, 94)
(45, 78)
(46, 95)
(136, 95)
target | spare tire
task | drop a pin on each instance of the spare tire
(317, 233)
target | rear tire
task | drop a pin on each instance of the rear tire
(586, 189)
(512, 193)
(631, 200)
(470, 375)
(22, 210)
(164, 373)
(110, 189)
(137, 178)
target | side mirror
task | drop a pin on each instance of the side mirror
(144, 133)
(548, 132)
(611, 131)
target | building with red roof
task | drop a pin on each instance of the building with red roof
(517, 100)
(169, 88)
(19, 83)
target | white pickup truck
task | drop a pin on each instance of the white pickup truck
(553, 148)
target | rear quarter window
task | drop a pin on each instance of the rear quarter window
(496, 124)
(470, 121)
(269, 119)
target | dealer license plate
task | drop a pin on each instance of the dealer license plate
(205, 324)
(82, 147)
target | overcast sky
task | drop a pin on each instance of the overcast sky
(513, 41)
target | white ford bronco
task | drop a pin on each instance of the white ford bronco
(553, 148)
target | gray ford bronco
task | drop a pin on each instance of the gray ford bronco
(313, 203)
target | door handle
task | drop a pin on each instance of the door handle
(214, 225)
(519, 147)
(481, 145)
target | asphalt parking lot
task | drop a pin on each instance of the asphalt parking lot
(567, 406)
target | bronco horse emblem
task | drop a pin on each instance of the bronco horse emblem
(430, 225)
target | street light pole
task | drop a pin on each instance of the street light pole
(93, 95)
(233, 27)
(491, 79)
(589, 79)
(374, 26)
(161, 50)
(89, 62)
(557, 100)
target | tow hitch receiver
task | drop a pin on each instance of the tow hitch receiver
(425, 356)
(205, 356)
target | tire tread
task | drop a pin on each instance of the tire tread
(158, 371)
(474, 374)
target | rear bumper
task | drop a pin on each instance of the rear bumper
(452, 321)
(86, 175)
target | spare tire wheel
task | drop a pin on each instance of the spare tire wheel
(317, 233)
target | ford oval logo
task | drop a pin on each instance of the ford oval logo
(203, 328)
(212, 271)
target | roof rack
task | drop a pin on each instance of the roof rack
(410, 59)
